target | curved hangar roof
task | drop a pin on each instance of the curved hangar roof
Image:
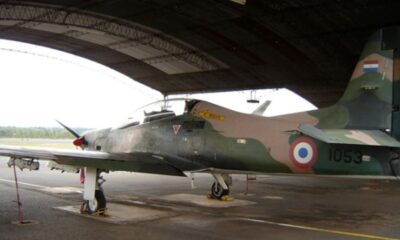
(309, 46)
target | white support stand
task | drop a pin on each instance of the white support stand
(89, 186)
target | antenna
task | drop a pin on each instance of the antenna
(164, 105)
(253, 98)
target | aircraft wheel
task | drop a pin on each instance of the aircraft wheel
(217, 191)
(97, 204)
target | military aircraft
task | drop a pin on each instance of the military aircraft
(356, 136)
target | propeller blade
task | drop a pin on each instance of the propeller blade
(68, 129)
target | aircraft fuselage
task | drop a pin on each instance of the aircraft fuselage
(212, 137)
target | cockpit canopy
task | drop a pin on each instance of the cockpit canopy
(156, 111)
(155, 115)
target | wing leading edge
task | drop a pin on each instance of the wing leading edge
(134, 162)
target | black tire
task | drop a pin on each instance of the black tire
(217, 191)
(98, 203)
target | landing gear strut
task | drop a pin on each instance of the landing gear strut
(95, 206)
(220, 188)
(94, 201)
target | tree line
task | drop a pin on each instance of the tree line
(37, 132)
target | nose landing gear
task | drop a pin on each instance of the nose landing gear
(97, 206)
(94, 200)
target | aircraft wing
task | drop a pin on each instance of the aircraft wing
(135, 162)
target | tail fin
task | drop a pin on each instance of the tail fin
(368, 100)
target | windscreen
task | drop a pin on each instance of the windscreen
(155, 111)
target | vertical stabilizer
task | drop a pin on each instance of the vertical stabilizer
(368, 99)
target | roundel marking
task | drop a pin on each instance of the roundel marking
(303, 152)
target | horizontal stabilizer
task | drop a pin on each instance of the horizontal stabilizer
(350, 136)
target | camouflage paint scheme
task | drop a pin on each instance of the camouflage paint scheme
(352, 137)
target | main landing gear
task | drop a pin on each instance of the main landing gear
(220, 188)
(94, 201)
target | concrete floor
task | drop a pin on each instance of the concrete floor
(283, 207)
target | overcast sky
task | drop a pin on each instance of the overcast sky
(38, 85)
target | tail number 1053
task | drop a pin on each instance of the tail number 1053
(345, 155)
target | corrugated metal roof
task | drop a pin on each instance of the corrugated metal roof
(176, 46)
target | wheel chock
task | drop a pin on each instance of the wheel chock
(100, 213)
(227, 198)
(223, 198)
